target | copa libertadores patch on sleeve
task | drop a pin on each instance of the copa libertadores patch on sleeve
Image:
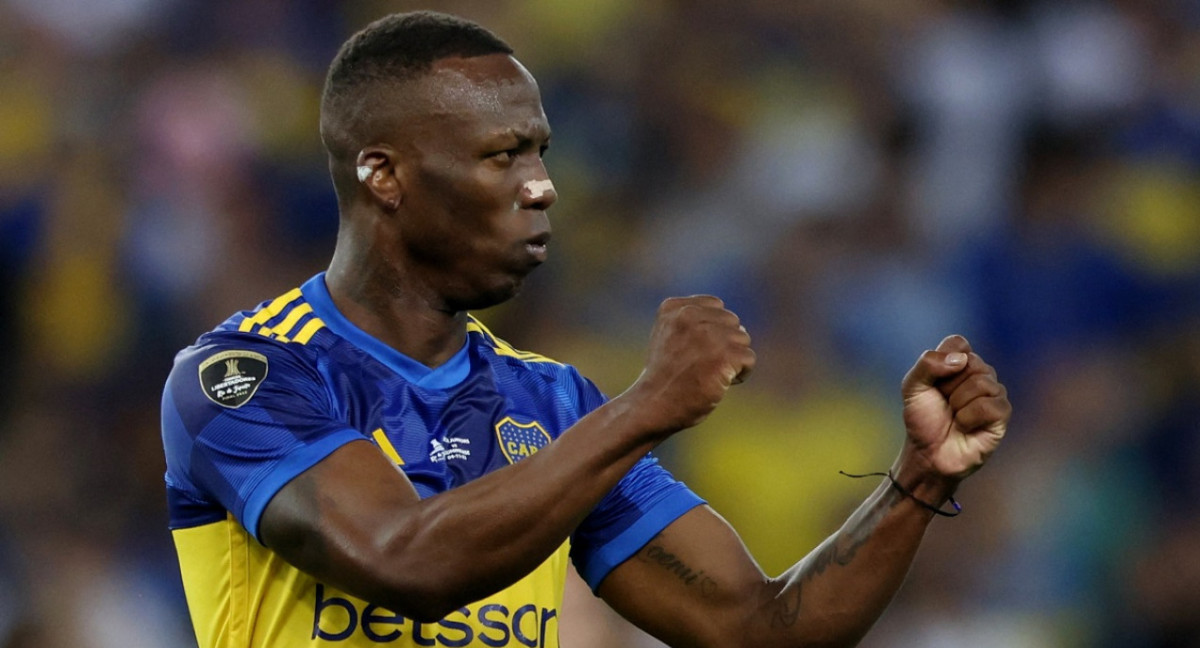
(230, 378)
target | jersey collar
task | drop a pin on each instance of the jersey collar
(453, 372)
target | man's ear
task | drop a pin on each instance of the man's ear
(377, 171)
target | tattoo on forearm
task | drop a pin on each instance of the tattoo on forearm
(787, 604)
(787, 608)
(654, 553)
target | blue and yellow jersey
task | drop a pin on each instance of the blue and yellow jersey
(273, 391)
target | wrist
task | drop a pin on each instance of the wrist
(637, 415)
(917, 476)
(646, 412)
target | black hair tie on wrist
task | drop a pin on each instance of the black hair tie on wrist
(907, 493)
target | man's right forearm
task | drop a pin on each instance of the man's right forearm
(425, 558)
(487, 534)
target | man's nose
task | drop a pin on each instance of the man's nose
(538, 194)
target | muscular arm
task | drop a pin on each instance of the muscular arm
(355, 521)
(708, 591)
(695, 584)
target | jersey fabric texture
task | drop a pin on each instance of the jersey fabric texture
(271, 392)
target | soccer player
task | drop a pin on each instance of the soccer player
(360, 461)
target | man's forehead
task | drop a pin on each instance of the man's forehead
(487, 84)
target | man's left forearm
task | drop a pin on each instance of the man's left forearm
(836, 593)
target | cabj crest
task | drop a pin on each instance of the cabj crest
(520, 440)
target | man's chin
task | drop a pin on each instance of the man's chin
(491, 297)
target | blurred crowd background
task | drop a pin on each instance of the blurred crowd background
(856, 178)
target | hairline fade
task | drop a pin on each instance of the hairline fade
(396, 48)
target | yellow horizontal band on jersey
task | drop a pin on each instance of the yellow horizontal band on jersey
(242, 594)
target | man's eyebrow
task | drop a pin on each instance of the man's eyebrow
(522, 134)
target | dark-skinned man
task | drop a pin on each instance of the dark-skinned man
(360, 461)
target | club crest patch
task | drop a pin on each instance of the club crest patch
(520, 440)
(230, 378)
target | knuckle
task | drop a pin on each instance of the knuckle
(691, 309)
(994, 410)
(672, 304)
(981, 364)
(984, 383)
(707, 300)
(929, 357)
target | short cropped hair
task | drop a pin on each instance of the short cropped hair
(393, 49)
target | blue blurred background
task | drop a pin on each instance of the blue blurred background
(857, 178)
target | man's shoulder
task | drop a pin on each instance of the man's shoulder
(506, 357)
(288, 318)
(490, 343)
(286, 321)
(538, 375)
(280, 334)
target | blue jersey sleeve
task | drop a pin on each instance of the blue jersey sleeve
(646, 500)
(241, 417)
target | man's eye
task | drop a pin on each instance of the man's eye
(507, 155)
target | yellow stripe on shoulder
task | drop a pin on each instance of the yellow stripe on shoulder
(309, 330)
(286, 329)
(270, 310)
(503, 348)
(283, 328)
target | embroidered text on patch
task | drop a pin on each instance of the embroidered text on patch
(230, 378)
(449, 449)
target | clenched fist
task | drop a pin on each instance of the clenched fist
(956, 411)
(698, 349)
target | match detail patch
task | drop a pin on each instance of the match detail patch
(230, 378)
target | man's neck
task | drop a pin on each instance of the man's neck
(395, 313)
